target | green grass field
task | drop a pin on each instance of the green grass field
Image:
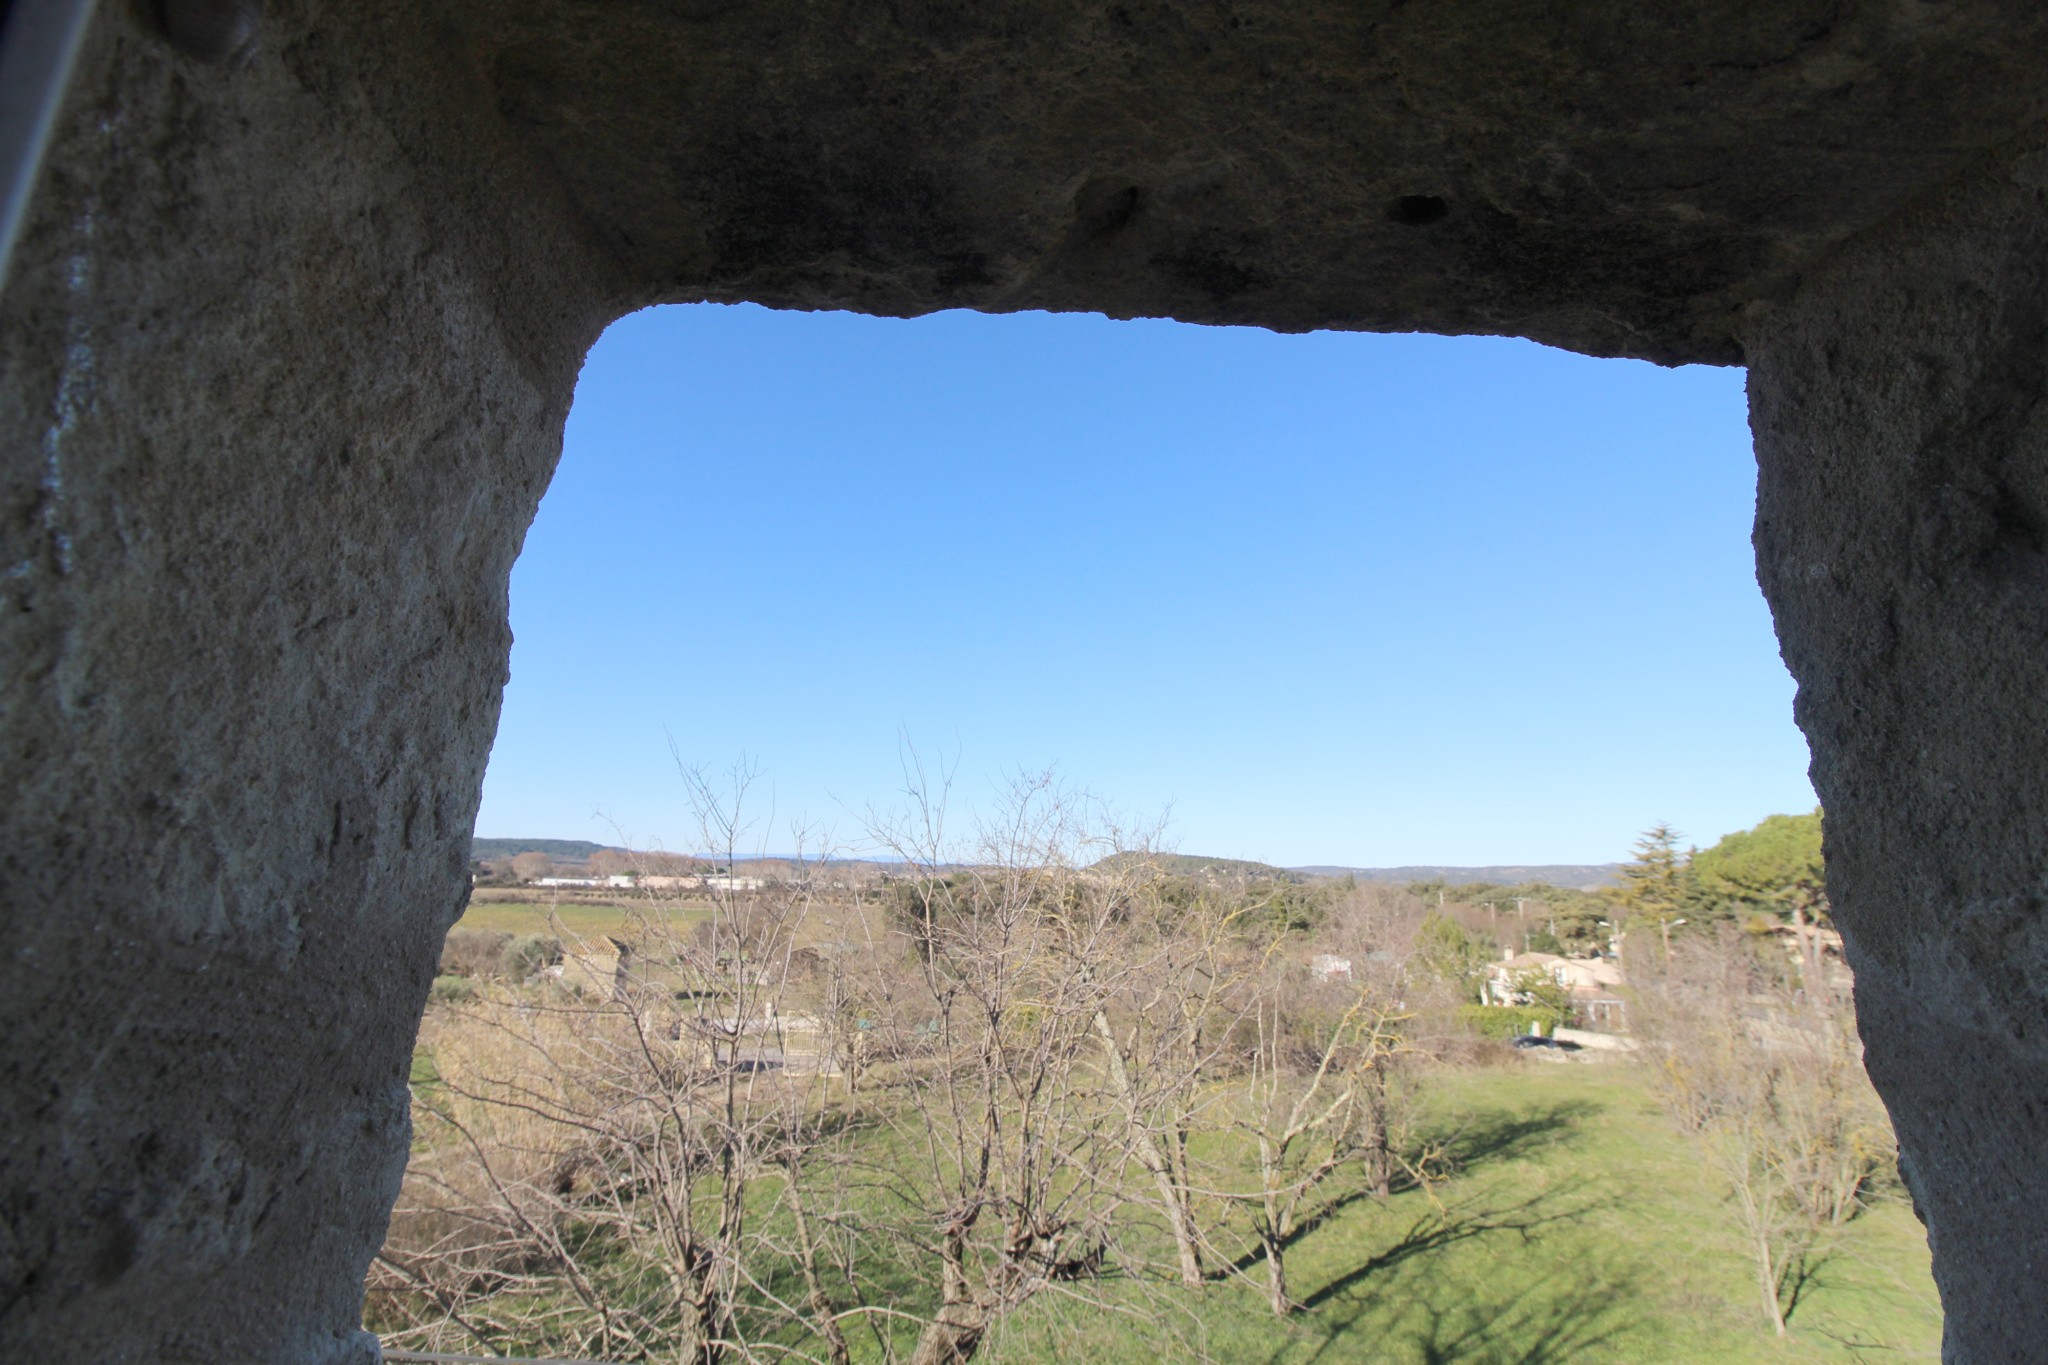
(1583, 1228)
(577, 918)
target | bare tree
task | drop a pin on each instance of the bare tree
(720, 1133)
(1018, 1171)
(1376, 927)
(1189, 980)
(1769, 1078)
(611, 1156)
(1307, 1107)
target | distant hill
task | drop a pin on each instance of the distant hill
(572, 850)
(1575, 876)
(1195, 865)
(1579, 876)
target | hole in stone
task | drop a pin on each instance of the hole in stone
(1103, 207)
(1418, 210)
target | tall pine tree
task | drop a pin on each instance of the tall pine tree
(1654, 882)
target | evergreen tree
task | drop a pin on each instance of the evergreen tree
(1444, 948)
(1774, 869)
(1656, 882)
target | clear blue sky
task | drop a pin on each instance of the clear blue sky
(1331, 599)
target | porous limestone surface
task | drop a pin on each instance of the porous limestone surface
(1900, 408)
(1617, 178)
(288, 344)
(280, 396)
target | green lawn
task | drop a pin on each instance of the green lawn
(1583, 1228)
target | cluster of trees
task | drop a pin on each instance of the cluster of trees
(1531, 917)
(1772, 872)
(1024, 1074)
(1755, 879)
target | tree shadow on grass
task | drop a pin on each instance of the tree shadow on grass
(1835, 1267)
(1461, 1222)
(1560, 1317)
(1506, 1135)
(1806, 1272)
(1242, 1263)
(1492, 1135)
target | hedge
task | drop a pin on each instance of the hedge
(1505, 1021)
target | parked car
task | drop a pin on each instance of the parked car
(1527, 1040)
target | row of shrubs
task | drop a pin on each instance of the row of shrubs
(488, 955)
(1507, 1021)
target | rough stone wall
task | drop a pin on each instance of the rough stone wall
(280, 395)
(1902, 539)
(1620, 178)
(287, 348)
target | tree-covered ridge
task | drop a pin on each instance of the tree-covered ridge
(574, 850)
(1575, 876)
(1197, 865)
